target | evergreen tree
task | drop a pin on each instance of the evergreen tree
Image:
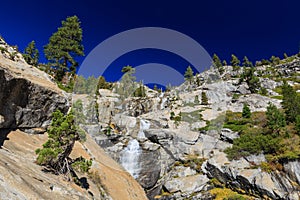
(275, 119)
(297, 124)
(224, 63)
(217, 63)
(64, 45)
(204, 99)
(103, 84)
(246, 62)
(290, 102)
(265, 62)
(188, 75)
(80, 85)
(62, 135)
(235, 62)
(251, 80)
(275, 60)
(127, 84)
(246, 111)
(77, 107)
(31, 54)
(140, 91)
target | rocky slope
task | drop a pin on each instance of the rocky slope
(177, 159)
(28, 97)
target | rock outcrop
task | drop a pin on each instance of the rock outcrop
(27, 96)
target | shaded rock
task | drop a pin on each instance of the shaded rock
(158, 135)
(27, 103)
(228, 135)
(150, 170)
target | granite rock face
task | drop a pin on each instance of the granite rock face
(28, 97)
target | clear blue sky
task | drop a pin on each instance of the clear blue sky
(258, 29)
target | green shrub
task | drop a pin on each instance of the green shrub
(81, 164)
(252, 143)
(246, 111)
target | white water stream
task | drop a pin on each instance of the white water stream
(130, 155)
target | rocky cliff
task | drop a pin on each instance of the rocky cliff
(28, 97)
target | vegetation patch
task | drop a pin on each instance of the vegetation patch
(274, 133)
(228, 194)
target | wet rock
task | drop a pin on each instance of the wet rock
(150, 168)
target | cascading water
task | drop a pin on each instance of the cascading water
(130, 155)
(144, 125)
(163, 101)
(130, 158)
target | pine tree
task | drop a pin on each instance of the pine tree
(235, 62)
(103, 84)
(127, 84)
(188, 75)
(204, 99)
(224, 63)
(275, 119)
(290, 102)
(217, 63)
(246, 62)
(62, 135)
(251, 80)
(64, 45)
(275, 60)
(31, 54)
(297, 124)
(246, 111)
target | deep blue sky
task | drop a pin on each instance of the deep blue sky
(258, 29)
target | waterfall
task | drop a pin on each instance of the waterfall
(130, 158)
(144, 125)
(163, 101)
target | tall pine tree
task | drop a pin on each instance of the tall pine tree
(31, 54)
(246, 62)
(188, 74)
(235, 62)
(64, 45)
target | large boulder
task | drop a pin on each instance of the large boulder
(28, 97)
